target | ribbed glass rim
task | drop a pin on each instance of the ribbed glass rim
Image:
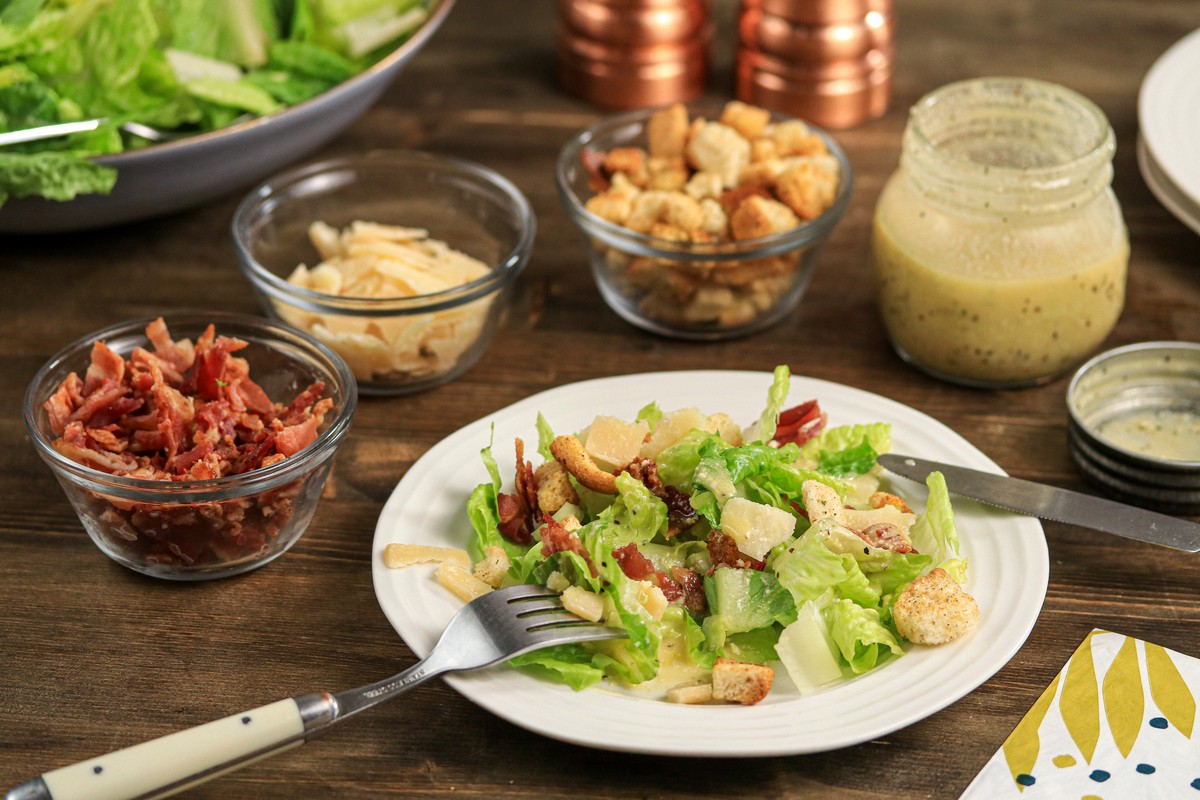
(73, 357)
(483, 181)
(627, 126)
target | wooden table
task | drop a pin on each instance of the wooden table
(94, 657)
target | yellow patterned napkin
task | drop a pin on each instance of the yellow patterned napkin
(1117, 722)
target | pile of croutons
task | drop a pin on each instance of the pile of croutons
(739, 177)
(703, 182)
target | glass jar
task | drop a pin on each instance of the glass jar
(1000, 253)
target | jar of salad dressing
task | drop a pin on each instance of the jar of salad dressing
(1000, 253)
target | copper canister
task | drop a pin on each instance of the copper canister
(633, 53)
(821, 12)
(635, 23)
(827, 61)
(831, 103)
(778, 36)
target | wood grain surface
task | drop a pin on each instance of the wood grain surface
(94, 657)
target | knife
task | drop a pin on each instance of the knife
(1050, 502)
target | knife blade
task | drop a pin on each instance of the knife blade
(1053, 503)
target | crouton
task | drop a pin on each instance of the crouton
(934, 609)
(718, 148)
(675, 208)
(666, 132)
(616, 203)
(554, 489)
(881, 499)
(492, 568)
(808, 187)
(794, 138)
(821, 501)
(704, 185)
(736, 682)
(666, 174)
(630, 161)
(758, 216)
(747, 120)
(569, 452)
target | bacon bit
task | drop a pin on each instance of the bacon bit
(723, 552)
(106, 366)
(592, 161)
(639, 568)
(800, 423)
(557, 539)
(694, 599)
(294, 438)
(680, 514)
(514, 519)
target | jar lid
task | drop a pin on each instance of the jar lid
(1135, 423)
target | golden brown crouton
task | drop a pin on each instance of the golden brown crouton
(615, 204)
(718, 148)
(881, 499)
(759, 216)
(492, 568)
(808, 187)
(794, 138)
(736, 682)
(569, 452)
(554, 489)
(675, 208)
(747, 120)
(666, 132)
(630, 161)
(934, 609)
(666, 174)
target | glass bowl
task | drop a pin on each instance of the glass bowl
(186, 528)
(393, 344)
(702, 291)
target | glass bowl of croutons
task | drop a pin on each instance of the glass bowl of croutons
(403, 263)
(703, 223)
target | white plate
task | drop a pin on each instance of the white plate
(1165, 191)
(1169, 114)
(1009, 570)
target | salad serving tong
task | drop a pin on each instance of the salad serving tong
(495, 627)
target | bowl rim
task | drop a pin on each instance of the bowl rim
(642, 244)
(439, 10)
(194, 491)
(504, 271)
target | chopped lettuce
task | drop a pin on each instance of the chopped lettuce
(182, 65)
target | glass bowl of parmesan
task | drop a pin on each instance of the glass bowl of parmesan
(401, 262)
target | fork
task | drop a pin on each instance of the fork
(495, 627)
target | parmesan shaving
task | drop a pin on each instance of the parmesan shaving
(371, 260)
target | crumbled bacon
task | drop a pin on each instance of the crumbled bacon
(636, 566)
(723, 552)
(694, 599)
(680, 514)
(557, 539)
(184, 411)
(516, 510)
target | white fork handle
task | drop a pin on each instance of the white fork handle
(177, 761)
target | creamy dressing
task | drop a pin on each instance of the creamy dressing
(1170, 434)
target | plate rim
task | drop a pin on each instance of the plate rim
(522, 699)
(1154, 84)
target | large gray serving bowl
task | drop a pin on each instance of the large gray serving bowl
(173, 176)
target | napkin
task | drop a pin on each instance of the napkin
(1119, 721)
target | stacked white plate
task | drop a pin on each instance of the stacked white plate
(1169, 142)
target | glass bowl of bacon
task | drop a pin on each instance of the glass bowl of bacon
(195, 445)
(703, 223)
(401, 262)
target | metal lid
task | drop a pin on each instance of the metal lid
(1135, 423)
